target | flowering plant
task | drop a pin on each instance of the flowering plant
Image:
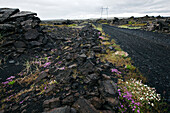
(136, 95)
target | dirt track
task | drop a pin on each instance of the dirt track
(150, 53)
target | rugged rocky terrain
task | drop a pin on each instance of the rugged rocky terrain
(71, 67)
(52, 69)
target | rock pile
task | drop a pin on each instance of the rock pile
(161, 25)
(88, 84)
(73, 80)
(20, 33)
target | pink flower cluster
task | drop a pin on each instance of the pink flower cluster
(116, 71)
(128, 96)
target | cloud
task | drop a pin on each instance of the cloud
(57, 9)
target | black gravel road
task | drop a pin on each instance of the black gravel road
(150, 53)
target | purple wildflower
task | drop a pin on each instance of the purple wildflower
(5, 82)
(62, 68)
(128, 94)
(119, 90)
(10, 80)
(47, 64)
(122, 106)
(99, 33)
(138, 103)
(11, 77)
(36, 62)
(20, 74)
(138, 111)
(114, 70)
(101, 37)
(59, 62)
(10, 96)
(21, 102)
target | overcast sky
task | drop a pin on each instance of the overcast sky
(69, 9)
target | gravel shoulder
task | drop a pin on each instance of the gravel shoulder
(150, 53)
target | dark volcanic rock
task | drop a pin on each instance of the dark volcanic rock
(87, 67)
(68, 22)
(6, 27)
(65, 109)
(92, 78)
(108, 88)
(52, 103)
(23, 14)
(31, 34)
(112, 101)
(23, 30)
(20, 50)
(41, 76)
(7, 43)
(96, 102)
(19, 44)
(5, 13)
(83, 106)
(97, 49)
(31, 23)
(35, 43)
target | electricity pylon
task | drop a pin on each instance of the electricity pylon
(104, 9)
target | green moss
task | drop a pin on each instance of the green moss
(118, 49)
(130, 22)
(130, 67)
(11, 83)
(72, 25)
(125, 26)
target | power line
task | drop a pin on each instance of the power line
(104, 9)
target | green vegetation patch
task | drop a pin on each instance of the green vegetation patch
(11, 82)
(128, 27)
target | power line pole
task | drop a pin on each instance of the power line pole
(104, 9)
(107, 12)
(101, 12)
